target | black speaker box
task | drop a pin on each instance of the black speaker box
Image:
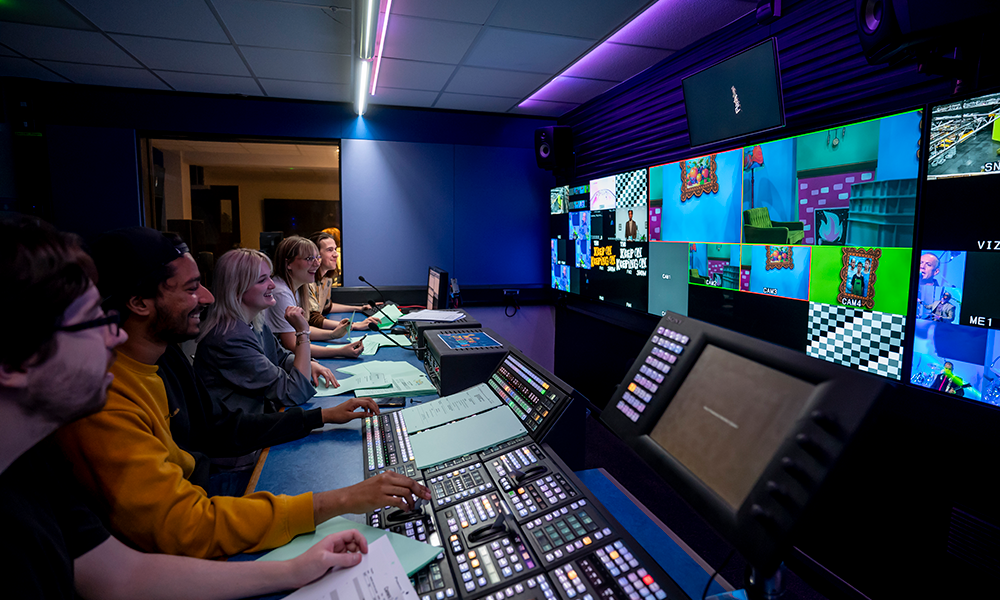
(554, 147)
(888, 27)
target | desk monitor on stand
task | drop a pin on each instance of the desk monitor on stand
(437, 289)
(745, 431)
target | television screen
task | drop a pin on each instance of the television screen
(957, 327)
(804, 241)
(437, 289)
(736, 97)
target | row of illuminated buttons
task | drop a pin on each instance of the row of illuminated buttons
(643, 395)
(627, 410)
(652, 373)
(516, 460)
(674, 335)
(661, 353)
(519, 588)
(634, 402)
(402, 436)
(665, 343)
(645, 382)
(658, 364)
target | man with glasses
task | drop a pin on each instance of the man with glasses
(54, 370)
(138, 457)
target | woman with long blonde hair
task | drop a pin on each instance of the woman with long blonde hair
(238, 358)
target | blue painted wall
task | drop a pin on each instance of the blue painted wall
(774, 183)
(899, 140)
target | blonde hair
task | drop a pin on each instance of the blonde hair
(287, 251)
(236, 271)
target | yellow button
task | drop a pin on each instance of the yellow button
(472, 554)
(587, 541)
(571, 574)
(614, 555)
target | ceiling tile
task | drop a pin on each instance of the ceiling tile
(284, 25)
(413, 75)
(616, 62)
(572, 89)
(303, 90)
(465, 11)
(103, 75)
(177, 55)
(673, 24)
(211, 84)
(394, 97)
(525, 51)
(591, 19)
(478, 103)
(42, 12)
(427, 40)
(494, 82)
(543, 108)
(22, 67)
(299, 66)
(185, 19)
(50, 43)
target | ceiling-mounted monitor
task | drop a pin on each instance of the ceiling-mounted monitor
(736, 97)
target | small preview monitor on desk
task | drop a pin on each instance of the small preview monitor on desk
(437, 289)
(744, 430)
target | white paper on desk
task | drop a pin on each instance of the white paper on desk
(373, 343)
(460, 405)
(447, 316)
(379, 576)
(410, 385)
(375, 380)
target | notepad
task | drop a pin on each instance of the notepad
(463, 404)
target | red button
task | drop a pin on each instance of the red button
(648, 580)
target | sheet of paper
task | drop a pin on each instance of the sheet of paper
(375, 380)
(450, 408)
(374, 342)
(413, 555)
(361, 369)
(433, 315)
(388, 315)
(435, 446)
(410, 385)
(379, 576)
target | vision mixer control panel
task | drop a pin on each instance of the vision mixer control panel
(513, 523)
(387, 445)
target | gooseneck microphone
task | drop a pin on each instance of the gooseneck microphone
(374, 328)
(363, 280)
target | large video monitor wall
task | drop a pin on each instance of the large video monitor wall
(806, 241)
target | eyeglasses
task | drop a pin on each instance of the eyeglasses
(310, 258)
(112, 319)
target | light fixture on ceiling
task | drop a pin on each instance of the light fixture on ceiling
(365, 29)
(380, 44)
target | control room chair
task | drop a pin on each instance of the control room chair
(758, 228)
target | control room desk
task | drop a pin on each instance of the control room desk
(332, 458)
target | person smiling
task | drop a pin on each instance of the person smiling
(238, 358)
(54, 545)
(132, 457)
(319, 292)
(297, 261)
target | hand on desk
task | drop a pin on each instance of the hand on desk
(345, 412)
(318, 371)
(363, 325)
(342, 549)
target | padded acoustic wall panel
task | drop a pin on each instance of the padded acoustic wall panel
(824, 76)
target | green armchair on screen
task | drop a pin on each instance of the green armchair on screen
(695, 277)
(758, 228)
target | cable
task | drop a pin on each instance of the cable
(704, 593)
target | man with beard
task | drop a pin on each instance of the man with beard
(55, 372)
(135, 456)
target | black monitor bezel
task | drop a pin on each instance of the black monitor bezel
(779, 93)
(442, 291)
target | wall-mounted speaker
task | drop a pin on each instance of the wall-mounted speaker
(554, 147)
(888, 27)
